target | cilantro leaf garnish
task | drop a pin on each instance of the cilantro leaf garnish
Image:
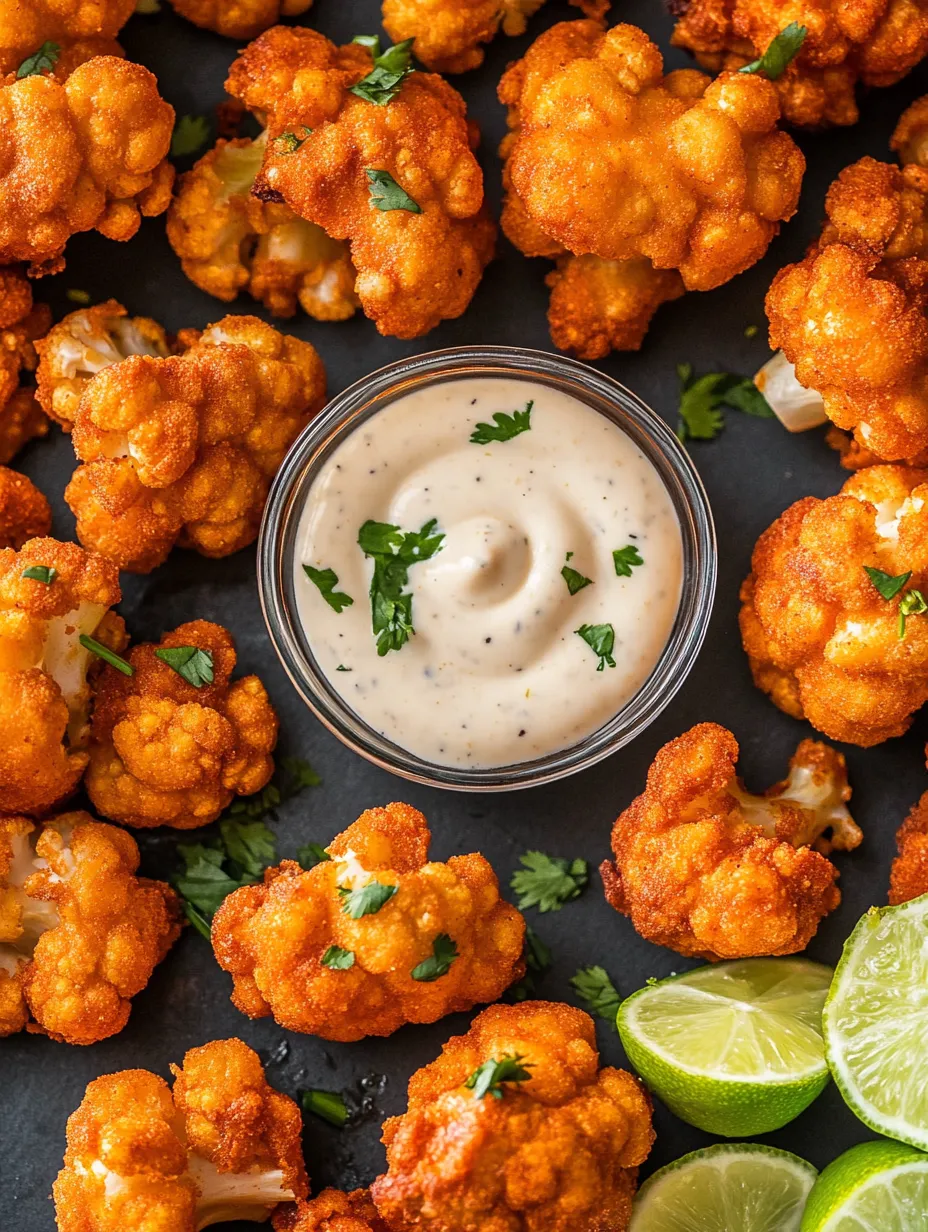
(41, 573)
(312, 854)
(190, 662)
(337, 959)
(504, 427)
(107, 655)
(390, 69)
(41, 61)
(548, 882)
(625, 559)
(886, 583)
(212, 871)
(77, 296)
(594, 987)
(326, 580)
(386, 194)
(366, 901)
(191, 133)
(444, 952)
(601, 640)
(701, 418)
(575, 581)
(250, 844)
(393, 552)
(912, 603)
(780, 52)
(341, 667)
(488, 1079)
(538, 960)
(289, 143)
(328, 1105)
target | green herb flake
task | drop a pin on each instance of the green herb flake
(337, 959)
(575, 581)
(596, 990)
(780, 53)
(312, 854)
(538, 961)
(625, 559)
(191, 133)
(366, 901)
(387, 195)
(912, 603)
(107, 655)
(327, 1105)
(394, 552)
(326, 580)
(489, 1078)
(198, 920)
(391, 68)
(444, 952)
(341, 667)
(548, 882)
(41, 573)
(76, 296)
(289, 143)
(300, 775)
(41, 61)
(887, 584)
(504, 427)
(601, 640)
(190, 662)
(702, 398)
(250, 844)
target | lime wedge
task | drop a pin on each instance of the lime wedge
(730, 1187)
(876, 1021)
(735, 1048)
(875, 1187)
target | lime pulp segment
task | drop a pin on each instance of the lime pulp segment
(874, 1187)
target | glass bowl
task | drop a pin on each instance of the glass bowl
(348, 411)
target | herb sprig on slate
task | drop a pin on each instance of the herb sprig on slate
(548, 882)
(594, 987)
(701, 400)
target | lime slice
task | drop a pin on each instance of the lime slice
(735, 1048)
(876, 1021)
(874, 1187)
(730, 1187)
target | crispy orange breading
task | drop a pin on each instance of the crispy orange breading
(557, 1153)
(449, 33)
(229, 241)
(909, 875)
(874, 42)
(26, 24)
(80, 933)
(44, 692)
(88, 154)
(24, 511)
(21, 324)
(822, 641)
(183, 450)
(711, 871)
(225, 1146)
(611, 157)
(414, 269)
(164, 752)
(240, 19)
(272, 937)
(331, 1211)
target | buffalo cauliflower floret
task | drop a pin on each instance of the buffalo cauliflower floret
(239, 19)
(555, 1151)
(874, 42)
(823, 641)
(331, 1211)
(909, 876)
(230, 241)
(26, 24)
(183, 450)
(277, 939)
(84, 343)
(50, 594)
(24, 511)
(418, 263)
(610, 157)
(80, 933)
(96, 145)
(21, 324)
(165, 751)
(223, 1146)
(710, 870)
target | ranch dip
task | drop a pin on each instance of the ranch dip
(496, 552)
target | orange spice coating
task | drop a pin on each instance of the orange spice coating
(26, 24)
(85, 154)
(272, 937)
(909, 875)
(225, 1146)
(822, 641)
(183, 450)
(557, 1153)
(24, 511)
(874, 42)
(239, 19)
(80, 933)
(711, 871)
(331, 1211)
(44, 691)
(613, 158)
(21, 324)
(413, 269)
(166, 753)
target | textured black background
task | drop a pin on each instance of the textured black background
(752, 472)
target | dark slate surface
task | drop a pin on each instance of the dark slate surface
(752, 472)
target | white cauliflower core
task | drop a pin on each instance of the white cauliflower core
(797, 408)
(37, 916)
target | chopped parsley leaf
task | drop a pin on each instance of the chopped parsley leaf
(366, 901)
(41, 573)
(601, 640)
(594, 987)
(625, 559)
(289, 143)
(213, 870)
(76, 296)
(387, 195)
(341, 667)
(337, 959)
(107, 655)
(488, 1079)
(393, 552)
(548, 882)
(326, 580)
(444, 952)
(886, 583)
(538, 961)
(391, 68)
(41, 61)
(191, 133)
(780, 53)
(328, 1105)
(311, 854)
(575, 581)
(504, 427)
(912, 603)
(701, 399)
(190, 662)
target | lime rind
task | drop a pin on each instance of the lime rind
(874, 1187)
(875, 1021)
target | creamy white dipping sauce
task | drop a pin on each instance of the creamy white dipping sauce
(495, 672)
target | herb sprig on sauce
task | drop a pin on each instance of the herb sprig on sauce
(504, 427)
(326, 580)
(393, 552)
(601, 640)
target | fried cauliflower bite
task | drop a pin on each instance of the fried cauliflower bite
(822, 641)
(164, 752)
(239, 19)
(331, 1211)
(414, 269)
(558, 1152)
(88, 154)
(909, 875)
(610, 157)
(272, 938)
(229, 241)
(80, 933)
(21, 324)
(26, 24)
(710, 870)
(24, 511)
(223, 1146)
(874, 42)
(182, 450)
(45, 695)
